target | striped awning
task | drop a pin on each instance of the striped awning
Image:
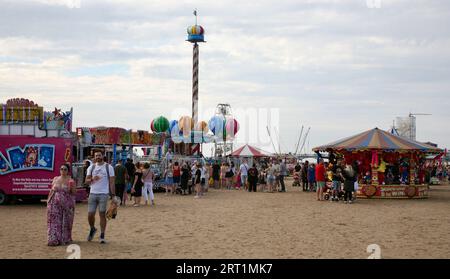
(377, 139)
(250, 151)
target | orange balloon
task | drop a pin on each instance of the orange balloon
(202, 126)
(186, 125)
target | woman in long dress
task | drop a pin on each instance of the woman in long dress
(61, 208)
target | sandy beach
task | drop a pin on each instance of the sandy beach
(241, 225)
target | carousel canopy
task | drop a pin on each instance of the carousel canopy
(249, 151)
(377, 139)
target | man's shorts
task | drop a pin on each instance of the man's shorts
(169, 180)
(320, 184)
(243, 178)
(176, 180)
(99, 200)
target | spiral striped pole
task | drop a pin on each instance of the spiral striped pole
(195, 84)
(195, 61)
(195, 36)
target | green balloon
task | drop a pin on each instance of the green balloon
(161, 124)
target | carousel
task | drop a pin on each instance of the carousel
(388, 166)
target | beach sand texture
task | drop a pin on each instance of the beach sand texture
(241, 225)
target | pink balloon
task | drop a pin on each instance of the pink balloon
(152, 126)
(232, 127)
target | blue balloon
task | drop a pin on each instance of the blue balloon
(172, 124)
(216, 125)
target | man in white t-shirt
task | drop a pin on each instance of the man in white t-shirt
(244, 174)
(101, 188)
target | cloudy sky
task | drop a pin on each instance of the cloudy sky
(340, 67)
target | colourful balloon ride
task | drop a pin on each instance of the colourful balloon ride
(161, 124)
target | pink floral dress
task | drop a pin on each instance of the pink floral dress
(60, 214)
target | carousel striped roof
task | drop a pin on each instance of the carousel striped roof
(377, 139)
(249, 151)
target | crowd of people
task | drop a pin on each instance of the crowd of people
(223, 175)
(314, 178)
(105, 181)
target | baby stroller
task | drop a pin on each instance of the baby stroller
(296, 180)
(159, 186)
(328, 193)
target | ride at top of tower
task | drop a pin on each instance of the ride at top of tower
(196, 34)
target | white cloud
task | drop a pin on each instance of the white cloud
(67, 3)
(334, 65)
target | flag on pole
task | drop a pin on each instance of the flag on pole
(195, 12)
